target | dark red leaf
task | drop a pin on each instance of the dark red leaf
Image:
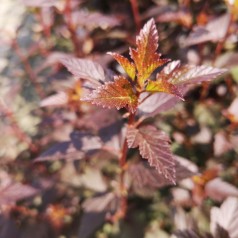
(154, 146)
(145, 176)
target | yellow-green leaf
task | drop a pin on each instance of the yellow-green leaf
(163, 86)
(128, 66)
(145, 57)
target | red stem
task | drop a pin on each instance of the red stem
(71, 28)
(220, 45)
(136, 15)
(123, 190)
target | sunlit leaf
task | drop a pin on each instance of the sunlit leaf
(233, 5)
(128, 66)
(179, 74)
(145, 57)
(196, 74)
(117, 94)
(153, 146)
(164, 86)
(85, 69)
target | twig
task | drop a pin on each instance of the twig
(123, 190)
(136, 15)
(71, 28)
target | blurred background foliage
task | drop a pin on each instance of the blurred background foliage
(47, 199)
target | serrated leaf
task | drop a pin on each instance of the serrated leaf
(85, 69)
(163, 86)
(128, 66)
(196, 74)
(145, 57)
(153, 146)
(116, 94)
(146, 176)
(188, 74)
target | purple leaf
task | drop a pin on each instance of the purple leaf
(221, 144)
(196, 74)
(59, 99)
(15, 192)
(92, 20)
(145, 176)
(226, 217)
(214, 31)
(95, 211)
(184, 168)
(156, 104)
(85, 69)
(227, 60)
(153, 146)
(179, 74)
(218, 190)
(77, 147)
